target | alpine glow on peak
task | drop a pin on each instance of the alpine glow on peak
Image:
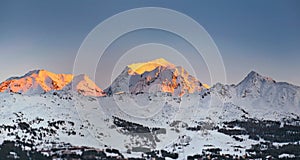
(41, 81)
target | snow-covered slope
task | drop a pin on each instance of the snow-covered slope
(46, 119)
(155, 76)
(49, 118)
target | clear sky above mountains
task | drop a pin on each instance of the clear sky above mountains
(251, 35)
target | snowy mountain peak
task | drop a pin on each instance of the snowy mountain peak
(140, 68)
(41, 81)
(155, 76)
(264, 90)
(85, 86)
(253, 84)
(255, 78)
(35, 82)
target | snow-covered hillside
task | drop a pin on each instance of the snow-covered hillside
(59, 117)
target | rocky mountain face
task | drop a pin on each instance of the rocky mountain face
(156, 76)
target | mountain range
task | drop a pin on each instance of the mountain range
(156, 76)
(153, 108)
(152, 76)
(255, 92)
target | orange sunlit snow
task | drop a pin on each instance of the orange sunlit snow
(40, 81)
(140, 68)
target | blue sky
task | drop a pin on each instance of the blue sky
(251, 35)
